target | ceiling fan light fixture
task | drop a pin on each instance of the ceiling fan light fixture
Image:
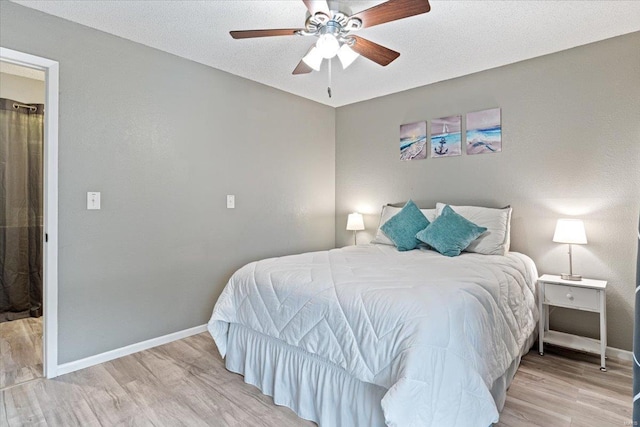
(334, 27)
(347, 55)
(328, 45)
(313, 58)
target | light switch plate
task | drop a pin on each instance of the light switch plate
(93, 200)
(231, 201)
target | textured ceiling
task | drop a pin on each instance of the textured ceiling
(454, 39)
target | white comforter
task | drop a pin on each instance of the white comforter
(435, 331)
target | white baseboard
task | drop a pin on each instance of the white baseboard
(76, 365)
(620, 354)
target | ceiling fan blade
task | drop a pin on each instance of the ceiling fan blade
(302, 68)
(392, 11)
(317, 6)
(249, 34)
(373, 51)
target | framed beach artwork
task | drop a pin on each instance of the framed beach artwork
(445, 136)
(484, 131)
(413, 141)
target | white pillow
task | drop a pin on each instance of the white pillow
(389, 211)
(497, 239)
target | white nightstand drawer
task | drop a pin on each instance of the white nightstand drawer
(568, 296)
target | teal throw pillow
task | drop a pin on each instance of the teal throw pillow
(450, 233)
(403, 226)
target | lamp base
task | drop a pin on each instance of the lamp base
(576, 277)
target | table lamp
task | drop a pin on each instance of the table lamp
(570, 231)
(355, 223)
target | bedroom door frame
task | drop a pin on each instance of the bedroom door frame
(50, 193)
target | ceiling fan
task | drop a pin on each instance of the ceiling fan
(334, 30)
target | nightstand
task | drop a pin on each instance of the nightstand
(587, 295)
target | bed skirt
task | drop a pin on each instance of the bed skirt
(313, 388)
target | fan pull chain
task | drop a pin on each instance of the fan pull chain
(329, 87)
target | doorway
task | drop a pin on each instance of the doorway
(43, 233)
(22, 96)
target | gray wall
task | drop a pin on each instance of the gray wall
(571, 147)
(165, 139)
(30, 91)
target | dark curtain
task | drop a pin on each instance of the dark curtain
(21, 154)
(636, 344)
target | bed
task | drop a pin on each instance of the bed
(369, 335)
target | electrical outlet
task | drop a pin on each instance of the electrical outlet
(231, 201)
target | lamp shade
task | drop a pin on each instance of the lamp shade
(313, 58)
(328, 45)
(570, 231)
(355, 222)
(347, 56)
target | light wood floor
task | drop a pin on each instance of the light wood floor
(185, 383)
(20, 351)
(565, 388)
